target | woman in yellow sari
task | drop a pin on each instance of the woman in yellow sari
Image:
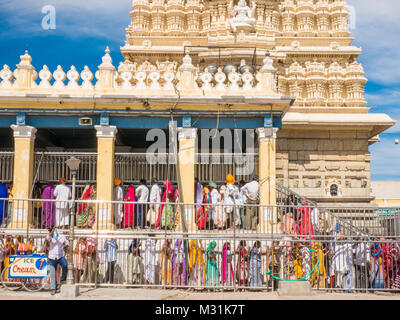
(197, 268)
(297, 262)
(318, 277)
(166, 263)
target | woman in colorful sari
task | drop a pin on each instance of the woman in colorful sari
(203, 212)
(177, 209)
(167, 210)
(3, 203)
(166, 263)
(212, 276)
(9, 250)
(227, 276)
(86, 216)
(129, 208)
(395, 283)
(242, 271)
(376, 274)
(134, 262)
(255, 265)
(318, 277)
(196, 265)
(79, 258)
(178, 264)
(297, 262)
(49, 208)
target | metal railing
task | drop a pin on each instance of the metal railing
(6, 167)
(219, 219)
(340, 264)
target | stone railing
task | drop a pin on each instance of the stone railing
(185, 79)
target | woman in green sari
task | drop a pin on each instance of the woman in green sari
(212, 276)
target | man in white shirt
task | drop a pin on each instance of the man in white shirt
(251, 193)
(142, 195)
(118, 195)
(57, 257)
(62, 193)
(155, 199)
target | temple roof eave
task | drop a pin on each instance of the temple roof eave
(375, 123)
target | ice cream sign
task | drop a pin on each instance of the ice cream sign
(35, 266)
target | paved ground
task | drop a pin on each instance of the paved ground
(157, 294)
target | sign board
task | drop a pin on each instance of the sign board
(31, 267)
(388, 211)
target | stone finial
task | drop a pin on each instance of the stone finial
(267, 64)
(187, 63)
(106, 59)
(26, 59)
(6, 75)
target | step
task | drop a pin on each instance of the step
(294, 288)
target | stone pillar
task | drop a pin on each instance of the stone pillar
(267, 180)
(105, 175)
(186, 155)
(24, 140)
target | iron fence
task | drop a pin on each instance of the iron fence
(340, 264)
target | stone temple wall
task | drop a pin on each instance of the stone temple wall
(309, 162)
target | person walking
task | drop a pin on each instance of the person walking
(57, 243)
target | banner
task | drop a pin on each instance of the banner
(28, 267)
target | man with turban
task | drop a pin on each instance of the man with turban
(62, 193)
(229, 198)
(118, 196)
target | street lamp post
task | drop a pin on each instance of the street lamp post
(71, 290)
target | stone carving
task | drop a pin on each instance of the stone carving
(242, 16)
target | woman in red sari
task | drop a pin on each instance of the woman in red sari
(129, 208)
(167, 197)
(305, 225)
(203, 212)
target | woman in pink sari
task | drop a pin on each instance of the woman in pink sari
(129, 209)
(227, 276)
(167, 197)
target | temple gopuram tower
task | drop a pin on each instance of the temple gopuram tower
(322, 146)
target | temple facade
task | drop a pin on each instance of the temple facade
(286, 69)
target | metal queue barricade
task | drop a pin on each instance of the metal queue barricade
(335, 234)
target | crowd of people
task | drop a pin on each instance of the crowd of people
(337, 264)
(145, 206)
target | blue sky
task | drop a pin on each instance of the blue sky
(85, 28)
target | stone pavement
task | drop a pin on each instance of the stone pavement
(158, 294)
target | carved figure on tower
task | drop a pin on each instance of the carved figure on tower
(242, 16)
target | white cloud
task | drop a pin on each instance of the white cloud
(377, 32)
